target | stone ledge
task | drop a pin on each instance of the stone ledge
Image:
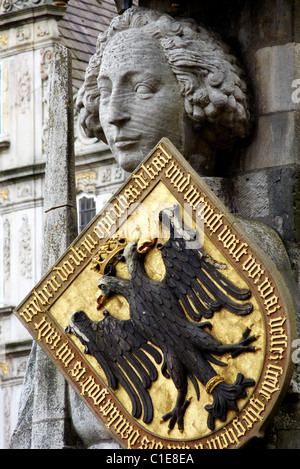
(22, 172)
(6, 311)
(4, 144)
(30, 14)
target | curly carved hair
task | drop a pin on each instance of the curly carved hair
(208, 74)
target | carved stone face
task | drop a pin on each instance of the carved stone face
(140, 99)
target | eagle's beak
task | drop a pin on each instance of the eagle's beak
(101, 300)
(145, 245)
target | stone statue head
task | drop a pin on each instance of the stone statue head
(155, 76)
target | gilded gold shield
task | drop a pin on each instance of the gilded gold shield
(186, 377)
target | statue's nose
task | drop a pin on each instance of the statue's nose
(118, 111)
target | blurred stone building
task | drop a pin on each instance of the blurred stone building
(28, 31)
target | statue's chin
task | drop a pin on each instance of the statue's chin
(129, 161)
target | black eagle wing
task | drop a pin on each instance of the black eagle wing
(194, 278)
(123, 355)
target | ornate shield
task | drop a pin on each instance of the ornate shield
(166, 317)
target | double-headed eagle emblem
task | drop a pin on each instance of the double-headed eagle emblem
(169, 324)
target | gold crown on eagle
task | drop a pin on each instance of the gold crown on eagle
(107, 252)
(114, 246)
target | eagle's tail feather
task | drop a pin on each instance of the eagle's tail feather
(225, 397)
(140, 399)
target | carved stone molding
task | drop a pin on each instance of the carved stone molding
(3, 41)
(111, 174)
(24, 87)
(86, 182)
(46, 55)
(4, 194)
(24, 191)
(25, 249)
(6, 249)
(23, 33)
(8, 6)
(42, 30)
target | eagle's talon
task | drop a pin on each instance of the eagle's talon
(243, 345)
(246, 340)
(176, 416)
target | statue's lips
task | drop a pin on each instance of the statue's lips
(125, 142)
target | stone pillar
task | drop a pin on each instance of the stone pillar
(60, 226)
(44, 420)
(50, 410)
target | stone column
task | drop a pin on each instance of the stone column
(44, 420)
(60, 225)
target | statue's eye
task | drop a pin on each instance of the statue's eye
(105, 92)
(144, 90)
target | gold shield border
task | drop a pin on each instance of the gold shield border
(165, 164)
